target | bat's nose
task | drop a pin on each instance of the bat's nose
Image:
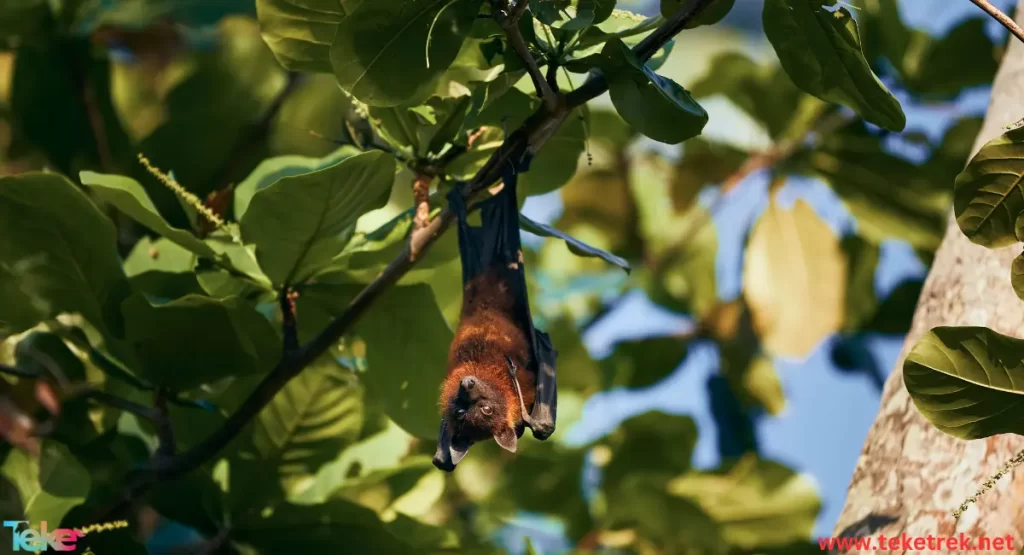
(468, 383)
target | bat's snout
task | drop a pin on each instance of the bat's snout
(467, 383)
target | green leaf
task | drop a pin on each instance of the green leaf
(1017, 276)
(300, 32)
(367, 254)
(555, 163)
(58, 253)
(644, 362)
(142, 14)
(43, 89)
(711, 15)
(205, 137)
(391, 52)
(407, 343)
(988, 196)
(158, 255)
(336, 525)
(316, 416)
(821, 51)
(889, 196)
(575, 245)
(965, 57)
(49, 486)
(756, 503)
(964, 381)
(862, 261)
(129, 197)
(425, 129)
(656, 106)
(546, 478)
(299, 223)
(641, 503)
(653, 443)
(272, 169)
(196, 340)
(22, 20)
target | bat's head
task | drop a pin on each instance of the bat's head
(478, 409)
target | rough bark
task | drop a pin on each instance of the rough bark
(910, 477)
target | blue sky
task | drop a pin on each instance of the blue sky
(829, 411)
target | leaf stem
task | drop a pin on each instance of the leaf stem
(520, 145)
(1003, 19)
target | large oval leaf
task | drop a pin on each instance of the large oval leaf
(821, 52)
(48, 486)
(300, 32)
(130, 197)
(58, 253)
(406, 356)
(794, 279)
(317, 415)
(300, 222)
(390, 52)
(755, 502)
(988, 195)
(196, 340)
(656, 106)
(968, 381)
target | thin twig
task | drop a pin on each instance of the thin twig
(521, 144)
(19, 372)
(1003, 19)
(510, 24)
(289, 326)
(164, 428)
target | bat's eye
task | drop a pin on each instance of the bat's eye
(486, 409)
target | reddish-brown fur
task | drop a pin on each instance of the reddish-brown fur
(487, 332)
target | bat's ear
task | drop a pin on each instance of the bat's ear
(507, 439)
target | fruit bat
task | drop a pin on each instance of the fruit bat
(501, 369)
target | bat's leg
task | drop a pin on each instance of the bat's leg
(545, 404)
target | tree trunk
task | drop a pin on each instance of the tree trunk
(910, 476)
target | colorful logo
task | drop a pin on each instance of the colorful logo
(29, 539)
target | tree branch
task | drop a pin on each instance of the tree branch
(510, 23)
(1002, 18)
(517, 147)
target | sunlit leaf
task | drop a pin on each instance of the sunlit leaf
(794, 279)
(988, 196)
(272, 169)
(310, 421)
(300, 32)
(300, 222)
(962, 379)
(390, 52)
(48, 486)
(406, 357)
(656, 106)
(821, 51)
(756, 503)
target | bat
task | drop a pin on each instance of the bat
(501, 369)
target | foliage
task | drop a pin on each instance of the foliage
(142, 305)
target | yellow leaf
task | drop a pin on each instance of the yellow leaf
(794, 279)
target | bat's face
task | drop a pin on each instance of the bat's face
(478, 411)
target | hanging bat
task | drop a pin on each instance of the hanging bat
(501, 370)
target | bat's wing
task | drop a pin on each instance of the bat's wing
(496, 244)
